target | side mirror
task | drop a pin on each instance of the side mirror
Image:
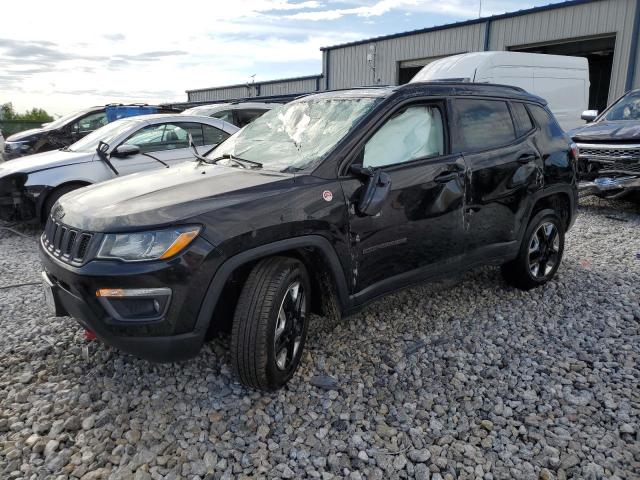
(123, 151)
(589, 115)
(374, 192)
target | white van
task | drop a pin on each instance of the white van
(561, 80)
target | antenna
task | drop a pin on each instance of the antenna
(250, 84)
(480, 10)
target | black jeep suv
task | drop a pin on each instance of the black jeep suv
(321, 205)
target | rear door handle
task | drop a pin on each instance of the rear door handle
(527, 157)
(446, 177)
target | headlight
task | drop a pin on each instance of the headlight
(150, 245)
(13, 146)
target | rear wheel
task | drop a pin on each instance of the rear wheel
(540, 252)
(270, 323)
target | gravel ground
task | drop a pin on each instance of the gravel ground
(470, 381)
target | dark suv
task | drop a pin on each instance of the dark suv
(69, 129)
(319, 206)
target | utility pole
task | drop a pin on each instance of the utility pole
(480, 10)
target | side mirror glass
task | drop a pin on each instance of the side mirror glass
(374, 192)
(126, 150)
(589, 115)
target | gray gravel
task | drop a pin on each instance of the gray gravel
(468, 379)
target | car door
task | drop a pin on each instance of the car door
(420, 224)
(503, 168)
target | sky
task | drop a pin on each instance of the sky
(65, 56)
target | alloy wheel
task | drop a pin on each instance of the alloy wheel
(289, 326)
(544, 250)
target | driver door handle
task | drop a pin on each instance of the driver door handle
(527, 157)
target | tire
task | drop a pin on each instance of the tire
(54, 197)
(542, 245)
(271, 317)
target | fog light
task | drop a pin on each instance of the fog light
(137, 304)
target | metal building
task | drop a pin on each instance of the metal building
(603, 31)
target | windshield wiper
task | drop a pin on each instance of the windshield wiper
(233, 158)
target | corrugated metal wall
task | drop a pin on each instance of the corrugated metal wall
(597, 18)
(303, 85)
(348, 66)
(223, 93)
(258, 89)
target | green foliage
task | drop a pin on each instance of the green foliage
(7, 112)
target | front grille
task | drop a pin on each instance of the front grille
(621, 167)
(68, 244)
(609, 153)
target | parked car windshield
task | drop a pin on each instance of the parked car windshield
(107, 134)
(296, 135)
(63, 120)
(627, 108)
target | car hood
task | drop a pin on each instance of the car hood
(44, 161)
(163, 196)
(26, 135)
(607, 131)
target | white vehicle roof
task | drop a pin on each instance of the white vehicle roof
(469, 66)
(208, 110)
(179, 117)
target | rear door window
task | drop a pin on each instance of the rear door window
(522, 119)
(482, 124)
(226, 115)
(244, 117)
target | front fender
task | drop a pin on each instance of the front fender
(226, 269)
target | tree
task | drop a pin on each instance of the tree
(7, 112)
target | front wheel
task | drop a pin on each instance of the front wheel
(540, 252)
(270, 323)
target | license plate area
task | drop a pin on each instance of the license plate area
(49, 288)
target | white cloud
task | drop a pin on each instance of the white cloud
(62, 56)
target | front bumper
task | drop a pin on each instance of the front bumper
(176, 335)
(13, 150)
(19, 203)
(610, 187)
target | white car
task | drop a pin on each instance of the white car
(239, 114)
(1, 146)
(30, 186)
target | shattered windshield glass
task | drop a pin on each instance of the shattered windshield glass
(296, 135)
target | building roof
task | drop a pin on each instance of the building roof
(552, 6)
(255, 84)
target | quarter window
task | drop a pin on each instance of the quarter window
(522, 119)
(483, 124)
(546, 121)
(213, 135)
(415, 133)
